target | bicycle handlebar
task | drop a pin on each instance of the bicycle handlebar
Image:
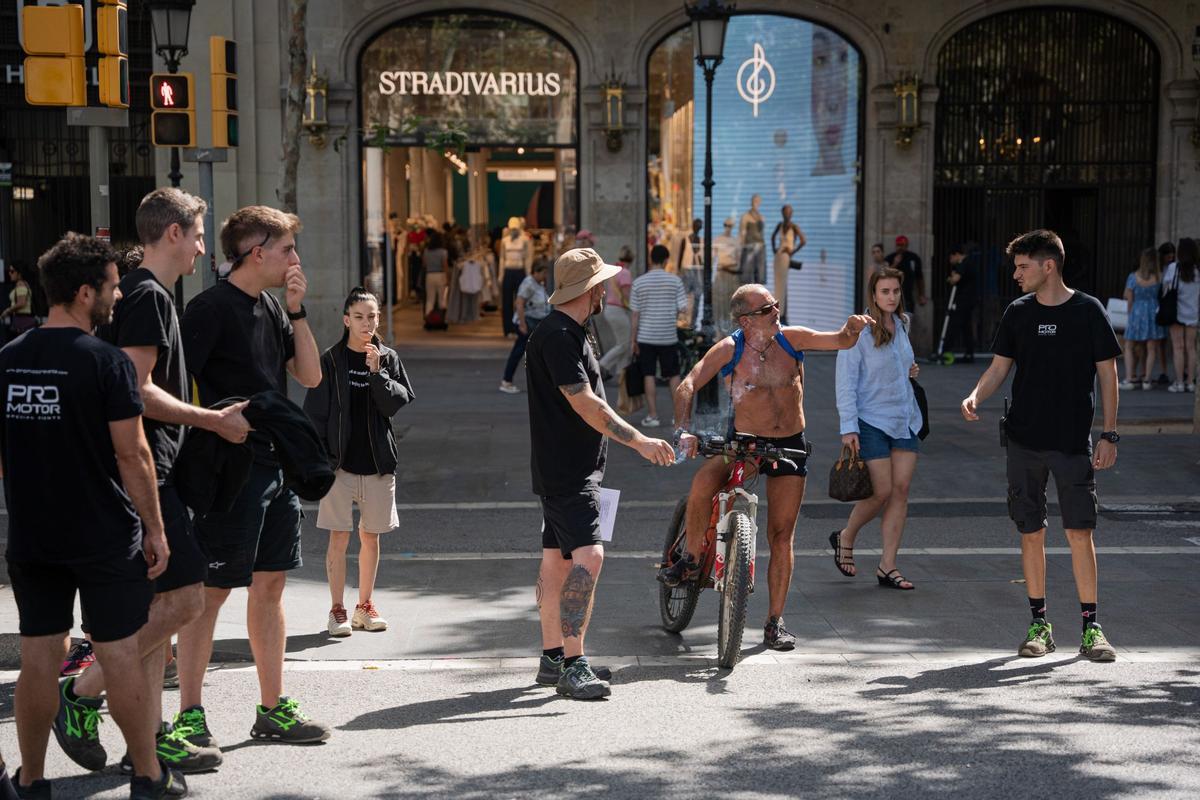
(746, 445)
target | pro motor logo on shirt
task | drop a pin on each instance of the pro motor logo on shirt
(33, 402)
(1047, 330)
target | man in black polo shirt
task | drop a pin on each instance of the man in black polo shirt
(569, 420)
(239, 341)
(82, 510)
(1060, 340)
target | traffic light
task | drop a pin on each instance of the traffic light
(173, 121)
(112, 39)
(53, 43)
(222, 54)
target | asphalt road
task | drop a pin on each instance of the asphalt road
(890, 693)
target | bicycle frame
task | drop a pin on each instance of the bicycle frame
(732, 497)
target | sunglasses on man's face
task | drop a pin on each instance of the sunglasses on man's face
(762, 312)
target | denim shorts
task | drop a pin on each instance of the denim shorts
(874, 443)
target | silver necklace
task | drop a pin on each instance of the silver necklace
(762, 354)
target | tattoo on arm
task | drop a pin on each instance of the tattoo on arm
(576, 604)
(619, 428)
(572, 389)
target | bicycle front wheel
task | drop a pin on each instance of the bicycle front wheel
(739, 546)
(677, 604)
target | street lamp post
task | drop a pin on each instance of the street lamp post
(709, 20)
(171, 20)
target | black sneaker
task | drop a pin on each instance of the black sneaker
(684, 569)
(287, 724)
(77, 728)
(551, 669)
(196, 722)
(169, 784)
(174, 750)
(38, 790)
(578, 682)
(777, 637)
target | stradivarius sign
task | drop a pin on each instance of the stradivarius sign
(534, 84)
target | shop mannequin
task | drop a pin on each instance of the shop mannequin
(786, 241)
(726, 278)
(516, 257)
(754, 253)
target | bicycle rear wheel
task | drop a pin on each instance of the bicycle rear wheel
(732, 620)
(677, 604)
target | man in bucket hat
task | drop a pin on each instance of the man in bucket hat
(568, 421)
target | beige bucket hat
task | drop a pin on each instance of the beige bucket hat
(576, 271)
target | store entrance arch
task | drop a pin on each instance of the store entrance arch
(469, 128)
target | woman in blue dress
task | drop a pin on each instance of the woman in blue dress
(1141, 297)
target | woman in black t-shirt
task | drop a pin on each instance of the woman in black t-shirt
(362, 385)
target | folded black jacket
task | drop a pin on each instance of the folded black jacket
(328, 404)
(211, 472)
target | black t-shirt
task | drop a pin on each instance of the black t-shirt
(968, 284)
(567, 454)
(145, 317)
(910, 264)
(358, 458)
(236, 346)
(1055, 349)
(66, 503)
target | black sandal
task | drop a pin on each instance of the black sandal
(835, 541)
(893, 580)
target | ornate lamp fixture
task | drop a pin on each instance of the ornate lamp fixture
(316, 107)
(614, 112)
(908, 113)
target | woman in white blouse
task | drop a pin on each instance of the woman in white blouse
(879, 421)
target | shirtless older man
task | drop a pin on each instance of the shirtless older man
(765, 364)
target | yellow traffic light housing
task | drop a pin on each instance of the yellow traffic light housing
(172, 98)
(53, 44)
(222, 54)
(112, 39)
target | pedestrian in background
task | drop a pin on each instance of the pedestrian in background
(617, 352)
(570, 422)
(435, 262)
(964, 277)
(532, 306)
(363, 385)
(909, 263)
(1181, 273)
(879, 422)
(1062, 345)
(657, 299)
(877, 261)
(19, 316)
(1166, 254)
(1142, 334)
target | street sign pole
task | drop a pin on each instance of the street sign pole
(204, 158)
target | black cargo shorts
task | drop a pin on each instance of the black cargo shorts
(1074, 477)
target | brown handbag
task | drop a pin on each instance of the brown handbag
(849, 480)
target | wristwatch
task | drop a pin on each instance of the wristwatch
(1111, 436)
(301, 314)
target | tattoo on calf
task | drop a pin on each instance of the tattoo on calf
(537, 592)
(572, 389)
(576, 601)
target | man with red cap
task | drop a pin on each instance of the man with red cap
(909, 263)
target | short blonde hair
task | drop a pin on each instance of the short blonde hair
(739, 304)
(251, 226)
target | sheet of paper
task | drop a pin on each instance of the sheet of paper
(608, 512)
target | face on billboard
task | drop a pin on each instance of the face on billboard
(830, 76)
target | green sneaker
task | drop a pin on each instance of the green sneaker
(1038, 641)
(175, 751)
(197, 724)
(287, 724)
(77, 728)
(1095, 645)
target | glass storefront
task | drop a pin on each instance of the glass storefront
(786, 132)
(469, 126)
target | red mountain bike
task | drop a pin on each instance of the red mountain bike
(727, 555)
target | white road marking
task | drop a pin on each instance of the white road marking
(807, 553)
